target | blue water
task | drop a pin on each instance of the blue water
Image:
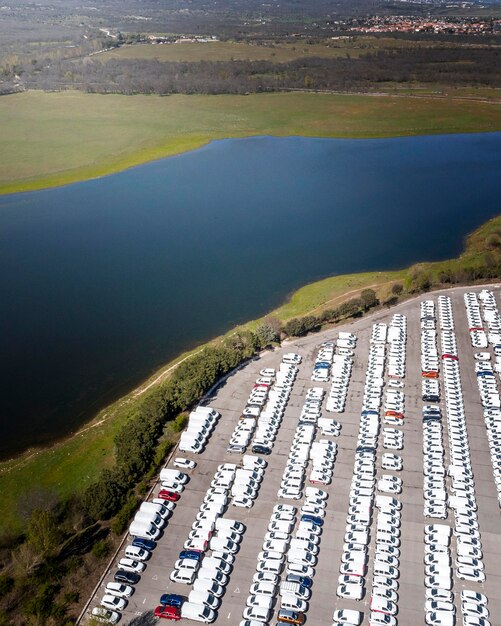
(103, 281)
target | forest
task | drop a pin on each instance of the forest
(421, 65)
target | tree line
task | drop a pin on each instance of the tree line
(444, 66)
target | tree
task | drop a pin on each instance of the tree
(368, 298)
(43, 535)
(397, 289)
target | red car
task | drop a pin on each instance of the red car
(168, 612)
(396, 414)
(172, 496)
(449, 356)
(429, 374)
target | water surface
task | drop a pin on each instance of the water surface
(103, 281)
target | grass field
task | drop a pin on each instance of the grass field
(265, 51)
(71, 465)
(228, 51)
(50, 139)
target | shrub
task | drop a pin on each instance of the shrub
(180, 422)
(122, 519)
(101, 548)
(397, 288)
(6, 584)
(369, 299)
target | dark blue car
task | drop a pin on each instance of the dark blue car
(191, 554)
(171, 599)
(318, 521)
(146, 544)
(306, 581)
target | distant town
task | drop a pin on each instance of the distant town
(445, 25)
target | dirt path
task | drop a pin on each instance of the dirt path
(343, 296)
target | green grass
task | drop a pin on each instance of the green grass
(228, 51)
(51, 139)
(68, 467)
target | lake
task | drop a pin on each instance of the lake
(104, 281)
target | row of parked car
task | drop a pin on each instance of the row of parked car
(323, 362)
(478, 336)
(488, 388)
(269, 420)
(208, 574)
(303, 449)
(201, 423)
(397, 339)
(145, 529)
(297, 554)
(300, 551)
(354, 559)
(463, 500)
(434, 470)
(342, 365)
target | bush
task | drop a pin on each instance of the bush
(103, 499)
(397, 289)
(101, 548)
(299, 326)
(369, 299)
(122, 519)
(180, 422)
(350, 307)
(6, 584)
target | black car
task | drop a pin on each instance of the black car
(146, 544)
(430, 398)
(121, 576)
(259, 449)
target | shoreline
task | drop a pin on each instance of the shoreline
(167, 127)
(352, 284)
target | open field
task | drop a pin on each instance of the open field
(265, 51)
(68, 467)
(228, 51)
(51, 139)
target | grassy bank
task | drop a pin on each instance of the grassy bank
(70, 466)
(51, 139)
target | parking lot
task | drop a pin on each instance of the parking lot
(230, 400)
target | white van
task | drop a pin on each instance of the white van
(173, 475)
(156, 508)
(197, 612)
(204, 598)
(137, 554)
(144, 529)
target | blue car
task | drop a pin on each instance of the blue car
(191, 554)
(171, 599)
(306, 581)
(318, 521)
(146, 544)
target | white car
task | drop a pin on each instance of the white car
(473, 596)
(242, 501)
(105, 616)
(347, 616)
(302, 570)
(129, 565)
(113, 602)
(119, 589)
(475, 610)
(184, 463)
(471, 574)
(350, 591)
